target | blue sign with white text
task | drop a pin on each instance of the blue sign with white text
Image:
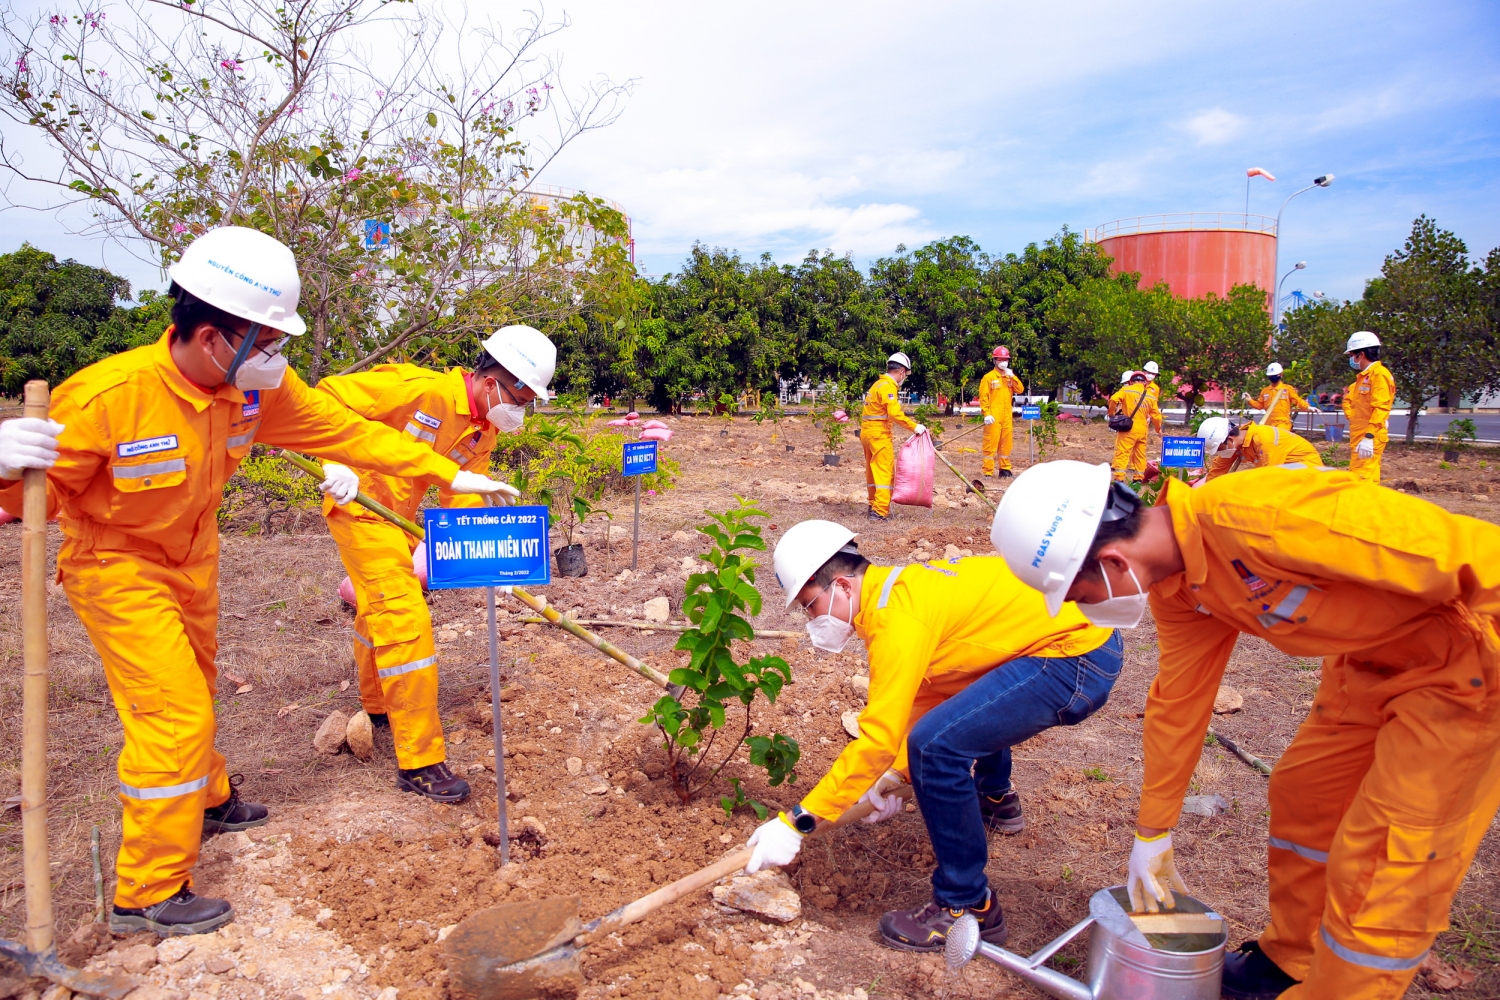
(640, 458)
(377, 234)
(1031, 412)
(1182, 453)
(487, 547)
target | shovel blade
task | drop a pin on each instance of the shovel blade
(516, 951)
(110, 986)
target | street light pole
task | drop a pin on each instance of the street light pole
(1297, 267)
(1321, 182)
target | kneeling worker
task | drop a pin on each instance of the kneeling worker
(138, 450)
(1230, 447)
(457, 414)
(965, 663)
(1380, 802)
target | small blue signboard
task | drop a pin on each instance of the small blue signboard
(487, 547)
(1182, 453)
(377, 234)
(640, 458)
(1031, 411)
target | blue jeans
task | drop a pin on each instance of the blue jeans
(961, 750)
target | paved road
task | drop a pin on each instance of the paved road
(1429, 425)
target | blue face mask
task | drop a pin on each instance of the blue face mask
(1354, 363)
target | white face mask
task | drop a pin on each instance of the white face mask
(506, 418)
(1124, 611)
(828, 633)
(258, 371)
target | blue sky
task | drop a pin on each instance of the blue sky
(782, 127)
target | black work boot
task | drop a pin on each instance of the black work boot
(232, 814)
(435, 781)
(183, 913)
(1249, 974)
(876, 517)
(1002, 815)
(926, 928)
(1003, 474)
(379, 720)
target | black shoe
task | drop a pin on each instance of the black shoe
(232, 814)
(1003, 474)
(184, 913)
(379, 720)
(926, 928)
(876, 517)
(1250, 975)
(1002, 815)
(434, 781)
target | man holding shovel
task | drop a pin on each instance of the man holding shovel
(454, 413)
(1380, 802)
(965, 663)
(138, 448)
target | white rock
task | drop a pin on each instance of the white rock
(174, 949)
(360, 735)
(237, 842)
(1228, 700)
(658, 609)
(861, 683)
(443, 933)
(138, 959)
(767, 894)
(850, 719)
(681, 536)
(330, 735)
(1205, 805)
(575, 765)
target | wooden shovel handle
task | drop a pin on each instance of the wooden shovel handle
(647, 904)
(38, 871)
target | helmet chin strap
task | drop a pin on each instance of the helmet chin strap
(246, 345)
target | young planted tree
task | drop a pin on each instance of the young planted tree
(717, 604)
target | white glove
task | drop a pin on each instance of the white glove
(339, 482)
(27, 443)
(774, 844)
(1365, 448)
(921, 429)
(988, 420)
(885, 805)
(1153, 875)
(473, 482)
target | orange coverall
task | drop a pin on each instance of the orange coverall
(1289, 399)
(393, 647)
(1380, 802)
(1367, 404)
(1265, 446)
(882, 408)
(1130, 446)
(996, 390)
(932, 629)
(140, 472)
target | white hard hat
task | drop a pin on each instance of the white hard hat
(527, 354)
(245, 273)
(1046, 523)
(1214, 431)
(1126, 376)
(1274, 368)
(901, 359)
(803, 550)
(1152, 368)
(1361, 339)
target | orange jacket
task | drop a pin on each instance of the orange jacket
(1124, 401)
(145, 454)
(996, 391)
(932, 629)
(1367, 402)
(1265, 446)
(429, 408)
(882, 408)
(1290, 399)
(1317, 564)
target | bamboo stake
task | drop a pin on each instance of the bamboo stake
(966, 482)
(1232, 747)
(38, 871)
(537, 604)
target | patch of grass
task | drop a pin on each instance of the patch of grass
(1067, 873)
(1095, 773)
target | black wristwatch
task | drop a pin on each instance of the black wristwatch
(803, 821)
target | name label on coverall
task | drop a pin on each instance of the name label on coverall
(487, 547)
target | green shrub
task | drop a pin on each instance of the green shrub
(265, 487)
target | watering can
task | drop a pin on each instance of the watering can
(1173, 955)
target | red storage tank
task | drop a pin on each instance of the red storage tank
(1193, 252)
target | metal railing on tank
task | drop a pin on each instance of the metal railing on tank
(1180, 222)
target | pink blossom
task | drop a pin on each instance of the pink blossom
(178, 227)
(353, 175)
(21, 66)
(104, 74)
(233, 65)
(379, 93)
(94, 18)
(55, 19)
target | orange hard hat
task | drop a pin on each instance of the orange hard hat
(1002, 353)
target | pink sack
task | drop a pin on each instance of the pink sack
(662, 434)
(419, 563)
(346, 591)
(914, 469)
(648, 425)
(621, 422)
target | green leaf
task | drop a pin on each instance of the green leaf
(432, 119)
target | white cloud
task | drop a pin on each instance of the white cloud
(1215, 126)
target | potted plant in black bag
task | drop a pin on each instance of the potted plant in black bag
(1457, 437)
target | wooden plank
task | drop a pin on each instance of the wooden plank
(1178, 923)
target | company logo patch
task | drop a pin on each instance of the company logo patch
(145, 446)
(1256, 585)
(251, 406)
(427, 421)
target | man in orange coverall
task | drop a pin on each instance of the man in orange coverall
(138, 450)
(882, 409)
(1380, 802)
(455, 413)
(1279, 398)
(1252, 446)
(965, 663)
(1133, 399)
(1367, 404)
(997, 389)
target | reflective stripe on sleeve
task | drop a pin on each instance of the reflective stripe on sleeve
(1289, 604)
(406, 668)
(363, 641)
(1381, 962)
(1321, 857)
(890, 581)
(149, 469)
(418, 432)
(166, 791)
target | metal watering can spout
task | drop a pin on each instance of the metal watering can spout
(964, 943)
